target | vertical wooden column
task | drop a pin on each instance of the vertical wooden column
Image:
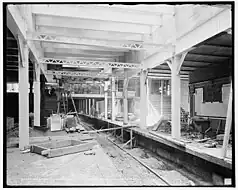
(228, 125)
(131, 137)
(89, 106)
(79, 105)
(113, 98)
(176, 94)
(37, 96)
(86, 106)
(105, 99)
(23, 98)
(162, 98)
(85, 101)
(125, 101)
(97, 106)
(143, 102)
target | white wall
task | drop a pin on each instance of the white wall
(185, 95)
(215, 109)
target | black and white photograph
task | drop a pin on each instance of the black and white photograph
(123, 94)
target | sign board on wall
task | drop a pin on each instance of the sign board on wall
(215, 109)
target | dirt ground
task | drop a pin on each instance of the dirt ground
(109, 166)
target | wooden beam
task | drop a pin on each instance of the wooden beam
(125, 100)
(97, 13)
(76, 32)
(216, 24)
(105, 99)
(228, 125)
(71, 149)
(96, 25)
(113, 115)
(162, 98)
(18, 25)
(210, 55)
(37, 96)
(104, 130)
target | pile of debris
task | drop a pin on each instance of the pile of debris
(163, 125)
(72, 123)
(131, 117)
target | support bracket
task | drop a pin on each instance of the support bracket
(180, 58)
(21, 48)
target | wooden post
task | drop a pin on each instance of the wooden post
(89, 106)
(176, 94)
(143, 102)
(113, 99)
(23, 98)
(125, 102)
(162, 98)
(86, 102)
(105, 99)
(176, 104)
(79, 105)
(131, 136)
(37, 96)
(228, 125)
(97, 107)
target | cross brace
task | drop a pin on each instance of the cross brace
(87, 63)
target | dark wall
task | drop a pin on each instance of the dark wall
(213, 72)
(12, 105)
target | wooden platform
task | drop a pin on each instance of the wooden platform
(209, 154)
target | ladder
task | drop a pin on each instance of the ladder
(74, 107)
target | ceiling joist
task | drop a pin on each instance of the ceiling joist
(84, 33)
(77, 23)
(90, 12)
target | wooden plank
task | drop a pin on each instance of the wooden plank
(37, 149)
(71, 149)
(57, 144)
(128, 142)
(104, 130)
(14, 141)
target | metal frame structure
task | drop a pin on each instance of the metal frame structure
(118, 44)
(89, 42)
(77, 74)
(87, 63)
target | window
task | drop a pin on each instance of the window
(14, 87)
(212, 93)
